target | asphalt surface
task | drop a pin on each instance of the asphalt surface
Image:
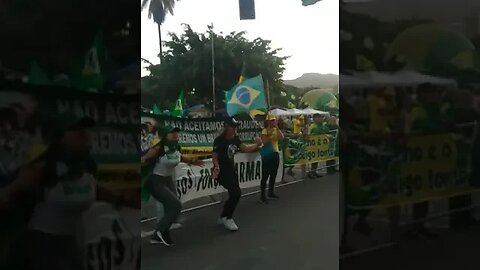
(452, 250)
(299, 231)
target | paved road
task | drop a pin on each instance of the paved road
(299, 231)
(452, 250)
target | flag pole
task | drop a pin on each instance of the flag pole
(267, 88)
(213, 69)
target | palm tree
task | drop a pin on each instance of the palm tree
(158, 9)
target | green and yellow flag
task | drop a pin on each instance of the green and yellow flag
(363, 63)
(156, 110)
(243, 76)
(246, 97)
(89, 72)
(177, 109)
(309, 2)
(256, 112)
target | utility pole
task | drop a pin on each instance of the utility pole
(213, 69)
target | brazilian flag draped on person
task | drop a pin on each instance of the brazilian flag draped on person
(177, 109)
(246, 96)
(309, 2)
(88, 74)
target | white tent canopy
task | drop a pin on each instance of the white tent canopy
(416, 78)
(313, 111)
(279, 112)
(352, 81)
(295, 112)
(402, 78)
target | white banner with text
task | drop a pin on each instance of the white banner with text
(194, 182)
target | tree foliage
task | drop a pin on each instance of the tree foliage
(158, 9)
(381, 34)
(56, 33)
(187, 65)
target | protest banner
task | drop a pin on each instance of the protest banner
(197, 134)
(313, 149)
(115, 138)
(110, 239)
(28, 119)
(195, 182)
(430, 167)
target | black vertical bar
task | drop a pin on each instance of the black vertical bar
(247, 9)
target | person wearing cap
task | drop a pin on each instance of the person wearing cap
(167, 155)
(298, 123)
(318, 127)
(379, 111)
(224, 148)
(63, 179)
(149, 135)
(270, 136)
(427, 117)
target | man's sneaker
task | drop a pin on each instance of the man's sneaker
(230, 225)
(161, 238)
(221, 220)
(263, 200)
(176, 226)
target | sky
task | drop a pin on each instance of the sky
(309, 35)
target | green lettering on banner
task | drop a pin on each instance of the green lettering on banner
(116, 145)
(314, 149)
(431, 166)
(114, 141)
(201, 132)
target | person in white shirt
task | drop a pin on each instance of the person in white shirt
(161, 184)
(63, 184)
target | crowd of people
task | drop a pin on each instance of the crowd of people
(302, 126)
(384, 118)
(48, 195)
(161, 153)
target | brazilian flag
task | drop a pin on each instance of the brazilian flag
(246, 96)
(309, 2)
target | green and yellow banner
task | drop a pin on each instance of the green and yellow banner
(115, 144)
(312, 149)
(429, 167)
(115, 139)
